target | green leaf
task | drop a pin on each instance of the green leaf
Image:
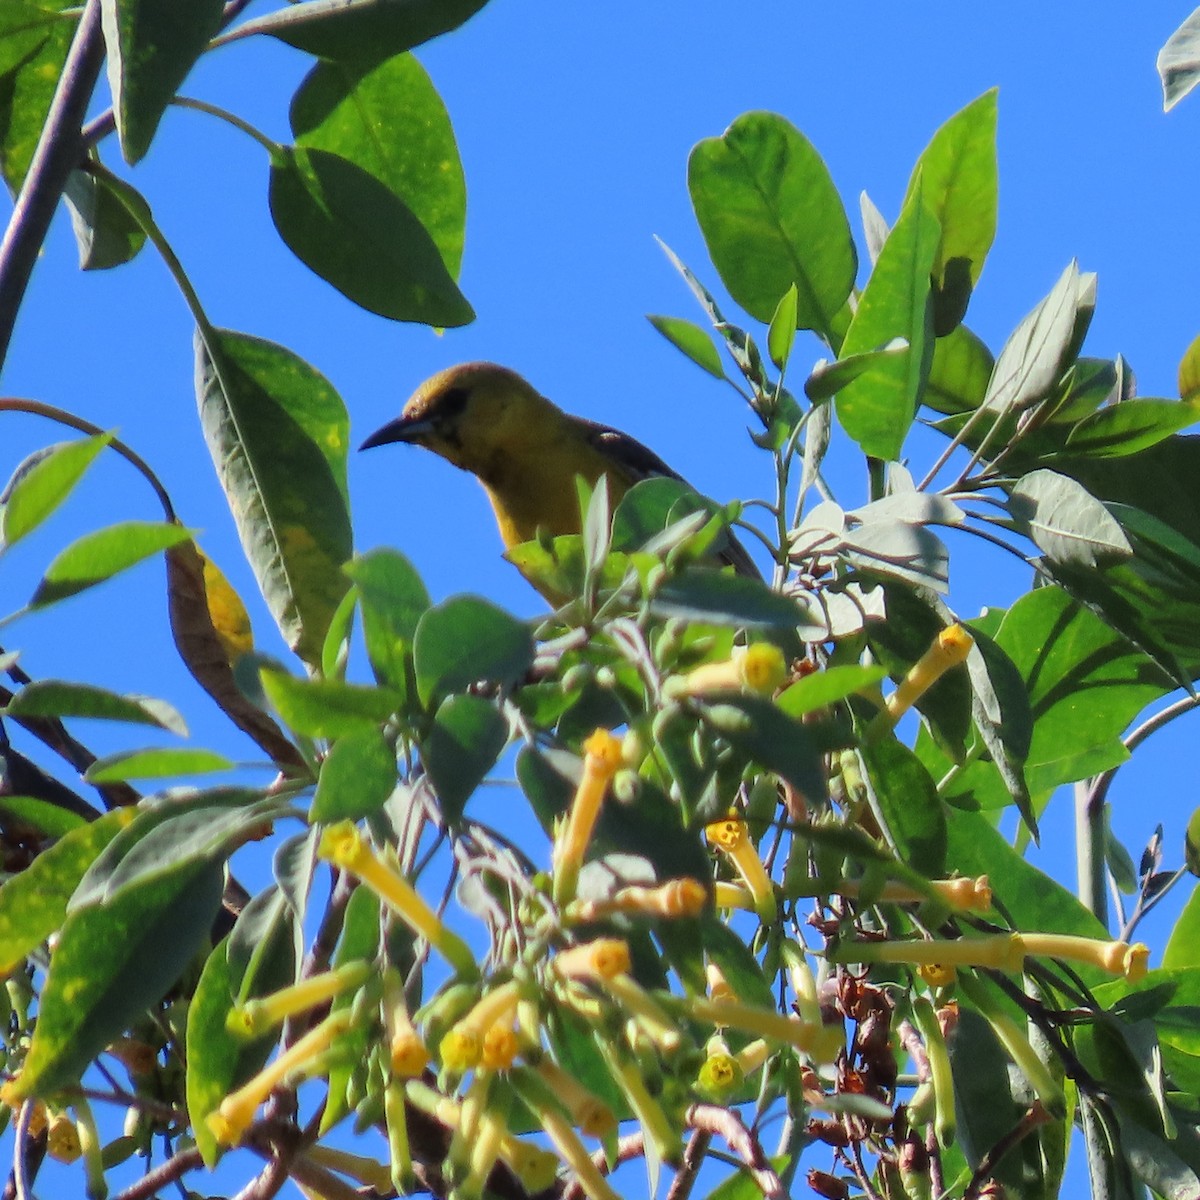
(105, 233)
(716, 598)
(98, 556)
(908, 799)
(360, 237)
(823, 688)
(1122, 429)
(112, 962)
(768, 735)
(693, 341)
(1065, 521)
(878, 407)
(219, 1061)
(772, 218)
(33, 904)
(156, 763)
(828, 378)
(342, 108)
(782, 333)
(467, 737)
(959, 373)
(206, 828)
(42, 482)
(357, 776)
(327, 708)
(45, 817)
(957, 178)
(1179, 62)
(466, 640)
(1037, 351)
(1183, 945)
(34, 41)
(363, 31)
(152, 46)
(1085, 684)
(278, 434)
(393, 598)
(1032, 899)
(56, 698)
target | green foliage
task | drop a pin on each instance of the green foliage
(748, 834)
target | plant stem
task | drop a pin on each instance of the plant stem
(55, 157)
(1089, 852)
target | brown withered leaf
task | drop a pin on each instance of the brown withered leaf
(210, 628)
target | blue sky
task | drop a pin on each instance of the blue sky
(574, 123)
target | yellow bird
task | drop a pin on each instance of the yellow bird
(525, 451)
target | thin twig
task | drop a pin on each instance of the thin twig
(56, 156)
(178, 1165)
(689, 1169)
(1033, 1119)
(712, 1119)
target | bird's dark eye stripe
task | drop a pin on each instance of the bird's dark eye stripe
(452, 402)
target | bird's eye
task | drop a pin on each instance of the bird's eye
(453, 402)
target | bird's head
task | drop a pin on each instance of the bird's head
(471, 415)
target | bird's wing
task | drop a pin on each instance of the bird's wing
(639, 462)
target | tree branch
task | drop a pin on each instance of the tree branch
(55, 157)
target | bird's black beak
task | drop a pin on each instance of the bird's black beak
(402, 429)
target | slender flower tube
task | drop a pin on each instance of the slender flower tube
(95, 1183)
(400, 1173)
(601, 761)
(718, 986)
(344, 845)
(752, 1056)
(490, 1131)
(655, 1126)
(938, 1057)
(732, 895)
(649, 1015)
(819, 1042)
(1118, 958)
(466, 1131)
(406, 1048)
(256, 1016)
(1002, 951)
(593, 1117)
(1016, 1042)
(759, 668)
(959, 895)
(949, 649)
(599, 959)
(675, 898)
(804, 986)
(565, 1140)
(237, 1110)
(365, 1170)
(732, 838)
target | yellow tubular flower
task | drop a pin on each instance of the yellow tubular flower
(959, 895)
(601, 761)
(1002, 951)
(365, 1170)
(593, 1117)
(937, 975)
(656, 1128)
(255, 1017)
(344, 845)
(490, 1131)
(752, 1056)
(650, 1016)
(819, 1042)
(400, 1173)
(534, 1167)
(938, 1058)
(759, 668)
(237, 1110)
(674, 898)
(595, 960)
(500, 1047)
(804, 985)
(1118, 958)
(949, 649)
(718, 987)
(732, 895)
(720, 1077)
(62, 1139)
(733, 839)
